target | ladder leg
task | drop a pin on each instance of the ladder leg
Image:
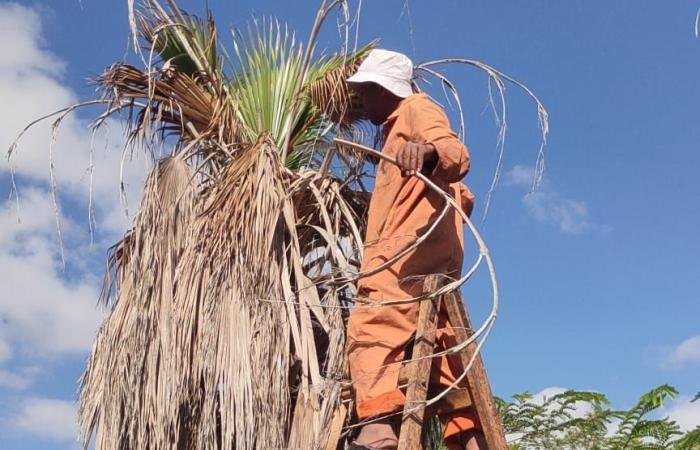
(336, 427)
(419, 371)
(477, 381)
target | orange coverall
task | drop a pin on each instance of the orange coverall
(401, 209)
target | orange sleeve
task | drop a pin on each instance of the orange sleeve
(431, 123)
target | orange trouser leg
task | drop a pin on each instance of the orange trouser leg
(377, 339)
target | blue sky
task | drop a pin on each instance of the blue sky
(598, 270)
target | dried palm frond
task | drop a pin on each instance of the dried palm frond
(175, 103)
(330, 93)
(126, 388)
(231, 350)
(499, 79)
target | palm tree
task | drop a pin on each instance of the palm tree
(228, 296)
(217, 333)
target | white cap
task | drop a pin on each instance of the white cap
(391, 70)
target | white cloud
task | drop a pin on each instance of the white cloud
(549, 207)
(47, 418)
(19, 379)
(40, 310)
(30, 81)
(687, 352)
(546, 205)
(520, 176)
(47, 312)
(14, 381)
(5, 351)
(24, 26)
(684, 412)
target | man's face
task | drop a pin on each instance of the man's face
(373, 101)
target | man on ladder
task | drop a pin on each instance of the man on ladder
(417, 134)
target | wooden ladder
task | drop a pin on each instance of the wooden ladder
(417, 374)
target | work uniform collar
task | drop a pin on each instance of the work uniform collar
(402, 106)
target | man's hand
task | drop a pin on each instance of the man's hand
(413, 158)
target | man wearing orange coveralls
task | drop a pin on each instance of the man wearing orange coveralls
(416, 133)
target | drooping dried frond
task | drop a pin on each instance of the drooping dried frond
(126, 389)
(171, 102)
(329, 91)
(187, 306)
(231, 348)
(499, 79)
(325, 225)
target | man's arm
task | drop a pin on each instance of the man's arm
(433, 147)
